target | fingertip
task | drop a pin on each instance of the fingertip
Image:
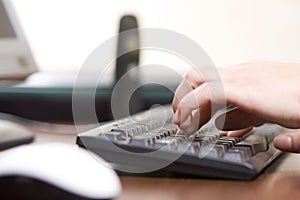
(174, 104)
(186, 123)
(224, 133)
(176, 117)
(235, 133)
(175, 121)
(284, 142)
(231, 134)
(182, 132)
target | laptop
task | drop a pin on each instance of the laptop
(24, 91)
(16, 60)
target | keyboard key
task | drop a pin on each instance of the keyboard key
(112, 136)
(202, 141)
(152, 134)
(234, 155)
(140, 141)
(246, 151)
(208, 151)
(169, 142)
(228, 142)
(125, 131)
(257, 143)
(233, 139)
(217, 151)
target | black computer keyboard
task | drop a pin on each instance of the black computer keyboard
(147, 144)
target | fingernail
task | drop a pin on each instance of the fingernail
(283, 142)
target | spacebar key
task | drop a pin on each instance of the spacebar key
(257, 143)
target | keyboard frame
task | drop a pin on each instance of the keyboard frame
(185, 165)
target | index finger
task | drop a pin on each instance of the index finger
(183, 89)
(191, 80)
(214, 94)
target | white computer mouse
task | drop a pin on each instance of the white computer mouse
(67, 167)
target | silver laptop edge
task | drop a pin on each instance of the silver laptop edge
(16, 60)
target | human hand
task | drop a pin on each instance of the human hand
(262, 92)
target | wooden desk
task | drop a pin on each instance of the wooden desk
(280, 181)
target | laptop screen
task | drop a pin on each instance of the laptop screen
(16, 60)
(6, 29)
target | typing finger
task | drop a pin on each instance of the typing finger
(193, 79)
(190, 126)
(211, 96)
(183, 89)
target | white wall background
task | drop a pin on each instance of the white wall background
(62, 33)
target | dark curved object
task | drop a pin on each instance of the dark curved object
(129, 43)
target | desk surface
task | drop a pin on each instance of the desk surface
(280, 180)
